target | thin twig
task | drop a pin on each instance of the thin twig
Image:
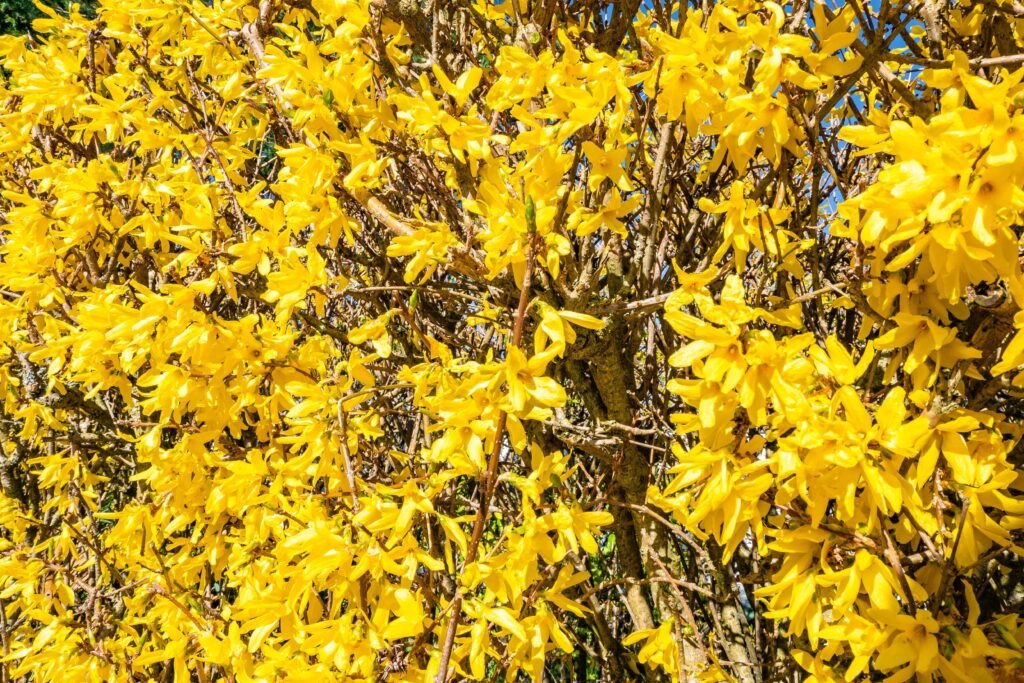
(947, 569)
(489, 479)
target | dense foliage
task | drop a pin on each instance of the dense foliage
(544, 339)
(16, 16)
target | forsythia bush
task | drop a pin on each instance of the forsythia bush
(564, 340)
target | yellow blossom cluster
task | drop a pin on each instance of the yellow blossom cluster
(521, 340)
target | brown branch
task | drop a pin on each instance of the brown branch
(892, 556)
(489, 479)
(1002, 60)
(947, 568)
(346, 456)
